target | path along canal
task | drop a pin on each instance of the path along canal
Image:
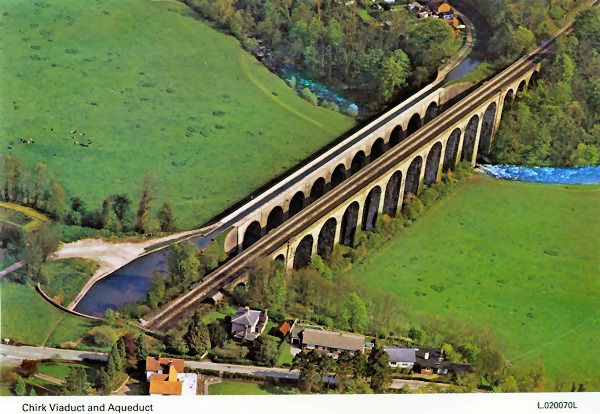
(130, 283)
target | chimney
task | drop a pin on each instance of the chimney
(266, 312)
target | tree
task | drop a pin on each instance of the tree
(115, 357)
(141, 352)
(110, 318)
(521, 41)
(166, 217)
(38, 246)
(103, 382)
(416, 334)
(183, 264)
(489, 363)
(20, 388)
(356, 313)
(394, 73)
(378, 368)
(121, 349)
(76, 382)
(217, 333)
(358, 386)
(307, 363)
(197, 336)
(148, 195)
(277, 289)
(103, 336)
(156, 290)
(264, 349)
(55, 202)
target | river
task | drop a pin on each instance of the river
(546, 175)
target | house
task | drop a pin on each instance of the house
(401, 357)
(282, 330)
(427, 360)
(248, 324)
(331, 342)
(166, 377)
(451, 368)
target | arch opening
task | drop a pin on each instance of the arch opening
(358, 162)
(451, 153)
(413, 125)
(275, 218)
(326, 237)
(432, 111)
(297, 204)
(251, 235)
(469, 139)
(411, 186)
(338, 176)
(392, 194)
(280, 258)
(303, 252)
(377, 149)
(317, 190)
(349, 221)
(522, 85)
(371, 208)
(432, 165)
(487, 129)
(396, 136)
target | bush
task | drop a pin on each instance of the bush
(309, 96)
(103, 336)
(429, 196)
(351, 111)
(413, 207)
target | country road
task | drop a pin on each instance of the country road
(12, 355)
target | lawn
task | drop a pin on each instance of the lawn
(154, 88)
(69, 330)
(24, 315)
(66, 277)
(519, 258)
(23, 217)
(284, 356)
(248, 388)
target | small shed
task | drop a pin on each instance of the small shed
(282, 330)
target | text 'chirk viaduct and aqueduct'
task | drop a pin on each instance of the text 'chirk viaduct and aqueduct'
(371, 172)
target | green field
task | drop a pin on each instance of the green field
(66, 277)
(154, 88)
(24, 315)
(519, 258)
(248, 388)
(23, 217)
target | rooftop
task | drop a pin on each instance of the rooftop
(333, 339)
(160, 364)
(401, 354)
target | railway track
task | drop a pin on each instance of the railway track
(168, 316)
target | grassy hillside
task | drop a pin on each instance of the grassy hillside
(519, 258)
(153, 88)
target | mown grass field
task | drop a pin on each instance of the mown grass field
(519, 258)
(153, 88)
(248, 388)
(66, 277)
(24, 315)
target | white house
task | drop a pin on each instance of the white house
(248, 324)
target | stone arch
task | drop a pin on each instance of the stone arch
(396, 136)
(377, 149)
(241, 285)
(413, 125)
(280, 258)
(338, 175)
(432, 111)
(326, 237)
(317, 190)
(469, 139)
(275, 219)
(358, 162)
(349, 221)
(411, 186)
(296, 204)
(451, 153)
(303, 252)
(432, 165)
(535, 77)
(522, 85)
(487, 128)
(251, 235)
(371, 208)
(392, 194)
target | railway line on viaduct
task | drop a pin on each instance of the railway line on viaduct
(375, 175)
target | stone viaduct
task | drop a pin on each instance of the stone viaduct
(463, 141)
